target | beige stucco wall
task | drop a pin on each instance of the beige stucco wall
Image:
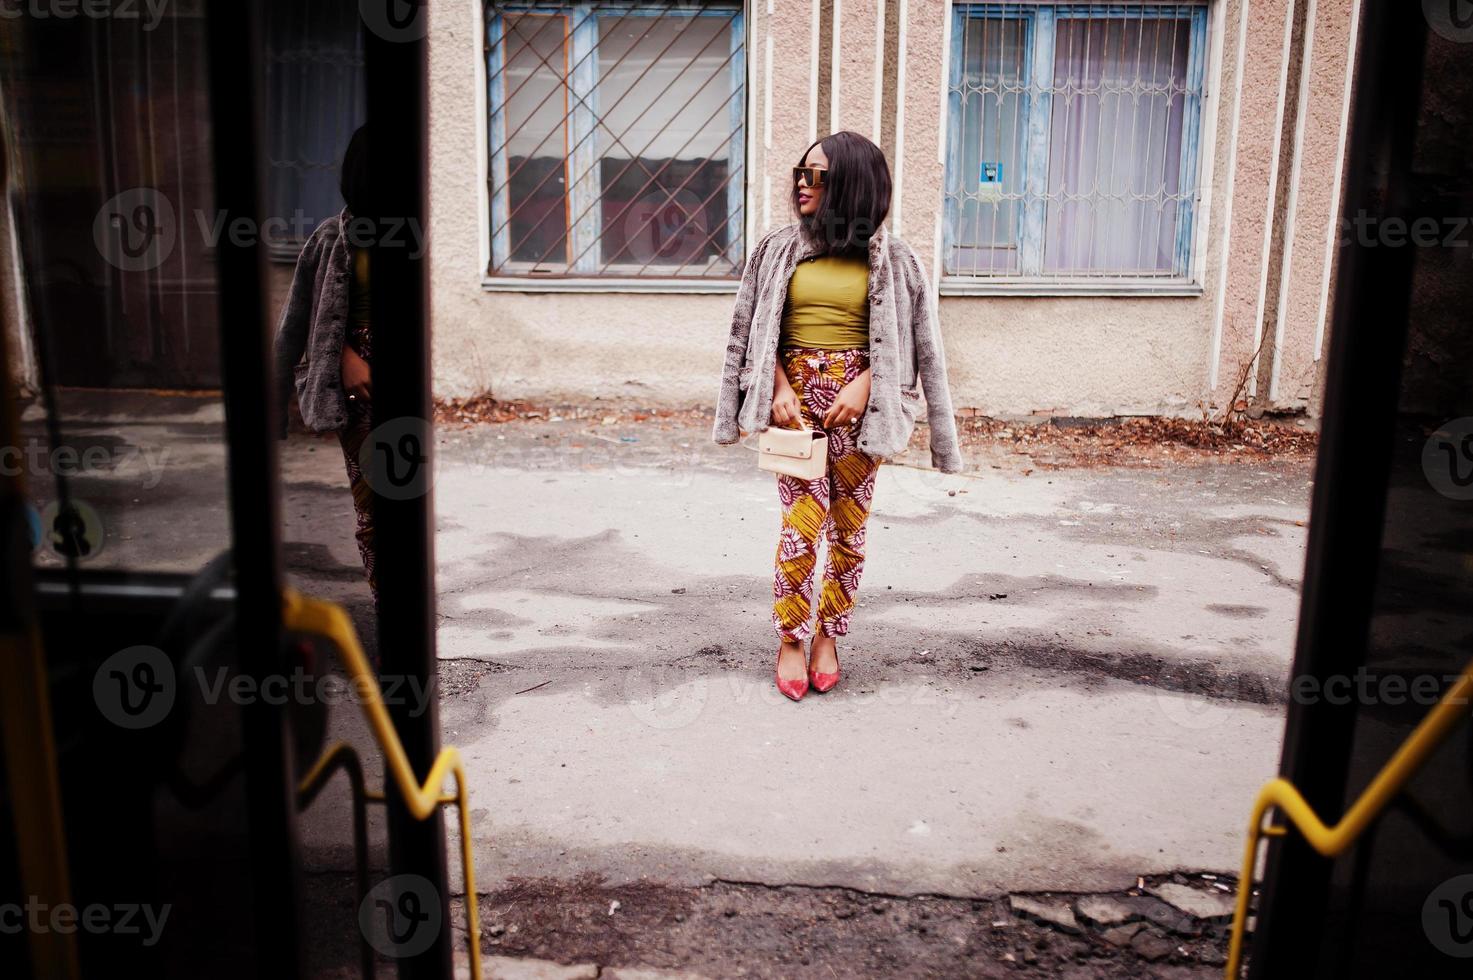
(1313, 208)
(856, 59)
(1008, 355)
(1257, 124)
(1082, 356)
(1300, 379)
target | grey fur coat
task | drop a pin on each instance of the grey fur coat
(313, 322)
(905, 347)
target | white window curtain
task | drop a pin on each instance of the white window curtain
(1114, 166)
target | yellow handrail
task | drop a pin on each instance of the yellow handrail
(303, 614)
(341, 755)
(1280, 794)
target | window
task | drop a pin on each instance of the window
(616, 139)
(1072, 156)
(315, 92)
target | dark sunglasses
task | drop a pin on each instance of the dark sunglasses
(814, 175)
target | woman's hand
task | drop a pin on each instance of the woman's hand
(850, 402)
(786, 409)
(357, 376)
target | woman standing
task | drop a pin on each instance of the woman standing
(324, 344)
(833, 326)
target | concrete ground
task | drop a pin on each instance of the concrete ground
(1056, 680)
(1053, 681)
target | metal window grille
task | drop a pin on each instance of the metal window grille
(1072, 155)
(617, 139)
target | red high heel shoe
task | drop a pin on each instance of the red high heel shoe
(791, 689)
(823, 683)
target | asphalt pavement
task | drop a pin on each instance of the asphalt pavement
(1055, 678)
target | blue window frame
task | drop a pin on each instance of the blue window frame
(617, 139)
(1073, 147)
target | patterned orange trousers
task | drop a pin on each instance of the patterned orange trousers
(834, 506)
(352, 436)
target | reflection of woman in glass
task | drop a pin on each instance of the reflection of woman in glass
(324, 344)
(833, 330)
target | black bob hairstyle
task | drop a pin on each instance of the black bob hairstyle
(856, 195)
(353, 178)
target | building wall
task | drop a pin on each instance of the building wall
(1249, 103)
(644, 348)
(1009, 355)
(1318, 233)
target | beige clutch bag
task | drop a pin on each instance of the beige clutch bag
(801, 453)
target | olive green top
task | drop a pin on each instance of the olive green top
(360, 303)
(828, 304)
